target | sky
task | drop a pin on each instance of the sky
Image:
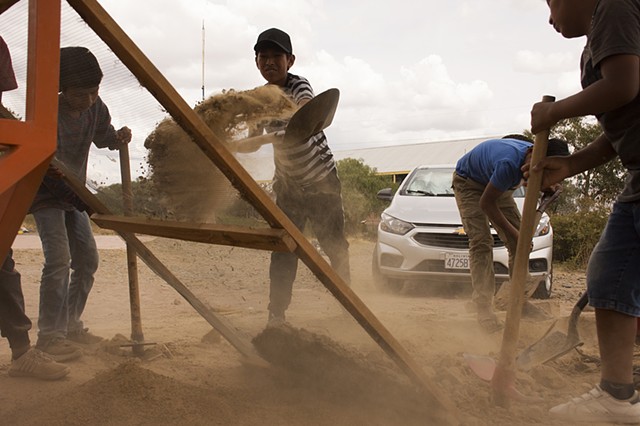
(408, 71)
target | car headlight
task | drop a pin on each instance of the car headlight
(391, 224)
(544, 226)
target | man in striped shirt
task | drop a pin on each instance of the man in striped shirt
(306, 181)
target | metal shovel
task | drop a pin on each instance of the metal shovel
(549, 347)
(553, 345)
(312, 117)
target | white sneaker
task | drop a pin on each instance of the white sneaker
(598, 406)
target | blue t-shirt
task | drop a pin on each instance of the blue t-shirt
(495, 160)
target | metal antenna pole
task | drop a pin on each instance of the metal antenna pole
(203, 59)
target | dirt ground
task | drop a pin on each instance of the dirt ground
(337, 376)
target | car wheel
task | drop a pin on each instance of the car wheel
(382, 283)
(544, 288)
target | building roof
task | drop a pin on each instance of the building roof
(389, 160)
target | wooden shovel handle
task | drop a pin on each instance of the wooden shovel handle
(504, 377)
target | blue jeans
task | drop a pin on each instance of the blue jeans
(613, 274)
(14, 323)
(70, 262)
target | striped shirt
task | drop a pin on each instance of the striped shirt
(305, 162)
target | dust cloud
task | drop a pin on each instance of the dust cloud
(186, 182)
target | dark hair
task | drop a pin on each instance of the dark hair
(78, 68)
(518, 136)
(557, 147)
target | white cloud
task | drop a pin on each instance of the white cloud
(407, 71)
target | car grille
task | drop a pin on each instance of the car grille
(454, 241)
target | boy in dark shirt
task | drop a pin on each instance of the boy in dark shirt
(306, 180)
(610, 77)
(70, 253)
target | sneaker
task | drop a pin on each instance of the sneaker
(598, 406)
(60, 350)
(275, 320)
(35, 363)
(84, 337)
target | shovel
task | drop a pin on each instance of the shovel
(312, 117)
(553, 345)
(549, 347)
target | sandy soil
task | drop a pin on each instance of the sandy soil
(337, 376)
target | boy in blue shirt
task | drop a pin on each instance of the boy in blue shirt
(483, 184)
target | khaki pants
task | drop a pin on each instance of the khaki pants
(476, 225)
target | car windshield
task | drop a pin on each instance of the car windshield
(436, 182)
(431, 182)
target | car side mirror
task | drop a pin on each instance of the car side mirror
(385, 194)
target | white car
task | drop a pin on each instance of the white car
(421, 238)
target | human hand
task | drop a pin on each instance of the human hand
(554, 170)
(123, 135)
(54, 172)
(542, 116)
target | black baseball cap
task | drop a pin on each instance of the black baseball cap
(274, 36)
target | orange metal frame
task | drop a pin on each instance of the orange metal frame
(32, 142)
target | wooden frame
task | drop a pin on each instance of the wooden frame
(149, 76)
(31, 142)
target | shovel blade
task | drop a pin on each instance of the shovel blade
(314, 116)
(551, 346)
(483, 366)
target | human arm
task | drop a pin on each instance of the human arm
(489, 205)
(252, 144)
(619, 85)
(556, 169)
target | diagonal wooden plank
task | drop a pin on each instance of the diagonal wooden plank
(228, 235)
(151, 78)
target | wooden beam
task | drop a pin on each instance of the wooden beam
(32, 142)
(226, 235)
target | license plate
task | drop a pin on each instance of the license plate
(456, 261)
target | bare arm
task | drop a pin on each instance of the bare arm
(488, 204)
(556, 169)
(620, 84)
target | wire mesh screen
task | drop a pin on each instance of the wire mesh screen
(172, 178)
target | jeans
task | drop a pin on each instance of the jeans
(321, 205)
(613, 273)
(476, 225)
(70, 262)
(14, 323)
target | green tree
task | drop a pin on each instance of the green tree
(145, 201)
(360, 184)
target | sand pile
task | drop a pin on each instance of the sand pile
(189, 186)
(316, 361)
(130, 394)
